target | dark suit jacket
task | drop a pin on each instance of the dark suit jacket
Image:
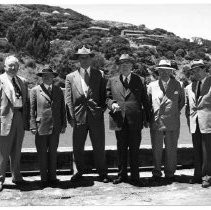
(78, 105)
(46, 113)
(132, 102)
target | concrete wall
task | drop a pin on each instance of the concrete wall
(29, 160)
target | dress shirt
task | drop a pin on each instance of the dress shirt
(128, 78)
(85, 87)
(165, 84)
(47, 86)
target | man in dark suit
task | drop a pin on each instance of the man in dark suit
(85, 98)
(198, 111)
(14, 119)
(48, 120)
(126, 98)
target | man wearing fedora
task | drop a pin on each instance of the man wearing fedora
(168, 99)
(48, 120)
(14, 119)
(198, 109)
(85, 99)
(126, 98)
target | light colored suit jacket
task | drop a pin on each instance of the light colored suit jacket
(166, 104)
(200, 108)
(7, 104)
(47, 113)
(78, 105)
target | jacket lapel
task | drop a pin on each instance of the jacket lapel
(8, 91)
(23, 89)
(204, 89)
(42, 92)
(169, 90)
(77, 82)
(119, 86)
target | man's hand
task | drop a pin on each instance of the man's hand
(63, 130)
(115, 107)
(33, 131)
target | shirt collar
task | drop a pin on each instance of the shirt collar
(47, 86)
(166, 83)
(82, 70)
(128, 77)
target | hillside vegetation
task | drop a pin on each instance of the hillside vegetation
(42, 34)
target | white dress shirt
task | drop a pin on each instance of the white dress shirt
(85, 87)
(128, 78)
(165, 84)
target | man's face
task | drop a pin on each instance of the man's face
(11, 67)
(197, 73)
(85, 60)
(164, 73)
(48, 78)
(126, 67)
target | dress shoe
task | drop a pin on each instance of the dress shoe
(157, 179)
(205, 184)
(136, 182)
(170, 179)
(195, 181)
(53, 182)
(44, 184)
(76, 177)
(1, 186)
(20, 182)
(120, 180)
(104, 178)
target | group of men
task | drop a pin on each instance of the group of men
(131, 106)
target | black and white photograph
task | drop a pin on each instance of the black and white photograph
(105, 103)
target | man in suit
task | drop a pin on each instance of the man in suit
(167, 98)
(126, 98)
(85, 98)
(198, 110)
(14, 119)
(48, 120)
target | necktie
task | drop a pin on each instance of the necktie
(86, 77)
(49, 90)
(126, 83)
(198, 92)
(16, 88)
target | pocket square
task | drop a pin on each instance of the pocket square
(175, 92)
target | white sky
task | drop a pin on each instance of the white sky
(185, 18)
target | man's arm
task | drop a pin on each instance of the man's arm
(181, 97)
(33, 110)
(69, 102)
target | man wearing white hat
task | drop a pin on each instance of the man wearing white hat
(85, 98)
(167, 98)
(198, 109)
(126, 98)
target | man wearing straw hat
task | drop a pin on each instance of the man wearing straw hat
(126, 96)
(85, 93)
(198, 109)
(167, 98)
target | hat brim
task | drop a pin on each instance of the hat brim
(196, 66)
(40, 74)
(76, 55)
(125, 60)
(168, 68)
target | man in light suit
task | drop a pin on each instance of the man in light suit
(14, 119)
(167, 98)
(126, 98)
(85, 98)
(48, 120)
(198, 110)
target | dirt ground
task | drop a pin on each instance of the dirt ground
(91, 192)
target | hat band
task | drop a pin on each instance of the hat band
(197, 65)
(164, 65)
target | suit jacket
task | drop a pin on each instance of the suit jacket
(200, 108)
(79, 105)
(132, 102)
(47, 113)
(166, 104)
(7, 104)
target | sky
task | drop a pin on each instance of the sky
(185, 18)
